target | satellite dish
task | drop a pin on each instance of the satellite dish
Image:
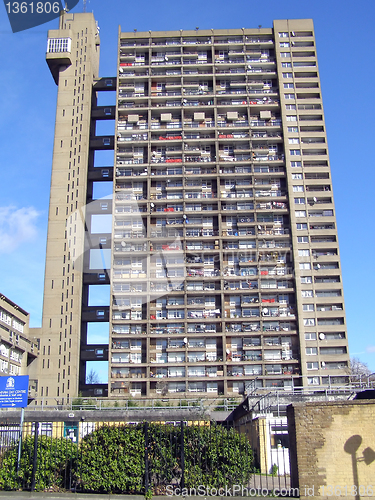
(323, 363)
(322, 337)
(152, 204)
(184, 216)
(123, 243)
(265, 310)
(185, 340)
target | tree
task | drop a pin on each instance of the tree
(358, 369)
(92, 377)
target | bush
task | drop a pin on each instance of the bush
(54, 459)
(112, 460)
(216, 456)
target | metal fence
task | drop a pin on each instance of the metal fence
(191, 458)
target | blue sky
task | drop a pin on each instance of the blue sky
(345, 45)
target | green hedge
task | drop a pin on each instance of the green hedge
(112, 460)
(54, 456)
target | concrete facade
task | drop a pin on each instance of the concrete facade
(223, 259)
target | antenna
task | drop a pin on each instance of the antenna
(84, 5)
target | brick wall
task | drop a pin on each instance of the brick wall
(332, 449)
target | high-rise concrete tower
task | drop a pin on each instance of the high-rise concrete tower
(223, 259)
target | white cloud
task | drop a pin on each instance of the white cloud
(17, 226)
(370, 348)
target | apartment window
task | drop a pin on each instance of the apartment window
(312, 366)
(310, 336)
(300, 213)
(309, 322)
(290, 96)
(306, 279)
(283, 34)
(313, 380)
(287, 75)
(293, 140)
(308, 307)
(305, 266)
(295, 164)
(286, 64)
(301, 226)
(296, 176)
(295, 152)
(311, 351)
(306, 293)
(284, 44)
(291, 118)
(299, 201)
(302, 239)
(333, 350)
(290, 107)
(304, 253)
(288, 85)
(298, 189)
(284, 54)
(292, 129)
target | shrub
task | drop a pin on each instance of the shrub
(54, 459)
(112, 460)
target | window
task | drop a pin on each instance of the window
(295, 152)
(302, 239)
(299, 201)
(304, 253)
(291, 118)
(293, 140)
(290, 107)
(287, 75)
(306, 279)
(284, 54)
(283, 34)
(312, 366)
(305, 266)
(308, 307)
(300, 213)
(293, 129)
(310, 336)
(296, 176)
(284, 44)
(311, 351)
(313, 380)
(301, 227)
(309, 322)
(298, 189)
(286, 65)
(59, 45)
(288, 85)
(295, 164)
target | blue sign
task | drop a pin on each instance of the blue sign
(14, 391)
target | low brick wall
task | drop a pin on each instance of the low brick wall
(332, 449)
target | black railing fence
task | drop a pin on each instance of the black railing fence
(144, 458)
